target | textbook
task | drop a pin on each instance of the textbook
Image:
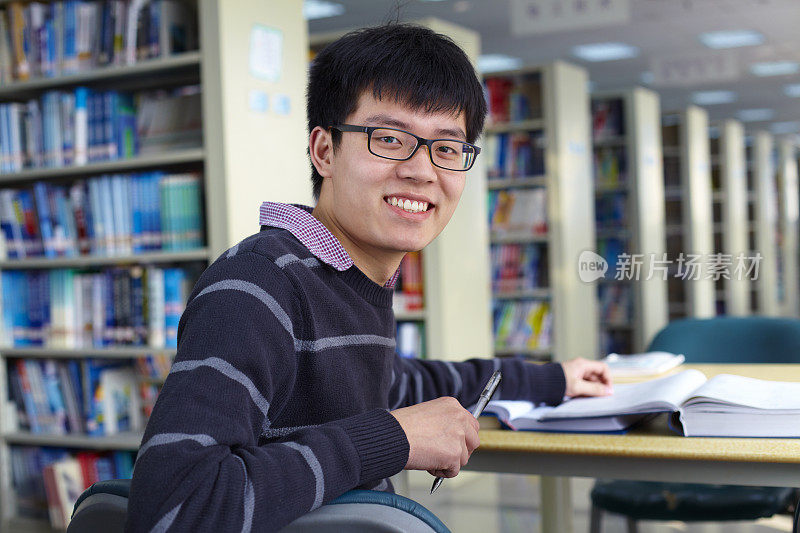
(723, 406)
(642, 364)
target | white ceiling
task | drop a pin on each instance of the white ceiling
(659, 28)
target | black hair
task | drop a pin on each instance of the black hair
(405, 62)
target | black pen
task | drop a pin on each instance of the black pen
(486, 395)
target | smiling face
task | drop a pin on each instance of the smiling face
(378, 208)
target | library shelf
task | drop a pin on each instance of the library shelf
(110, 352)
(145, 161)
(128, 441)
(200, 254)
(149, 68)
(519, 125)
(511, 183)
(529, 294)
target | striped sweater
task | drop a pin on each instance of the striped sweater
(278, 400)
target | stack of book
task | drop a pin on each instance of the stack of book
(114, 307)
(108, 215)
(49, 39)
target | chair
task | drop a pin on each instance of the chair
(714, 340)
(103, 507)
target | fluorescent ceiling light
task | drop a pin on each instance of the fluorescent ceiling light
(792, 90)
(775, 68)
(605, 51)
(756, 115)
(713, 97)
(320, 9)
(785, 127)
(498, 62)
(731, 39)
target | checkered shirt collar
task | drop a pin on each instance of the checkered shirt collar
(312, 233)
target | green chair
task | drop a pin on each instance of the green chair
(714, 340)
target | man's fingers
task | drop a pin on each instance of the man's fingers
(592, 388)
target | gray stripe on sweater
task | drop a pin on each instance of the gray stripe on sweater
(456, 378)
(258, 292)
(249, 499)
(166, 521)
(316, 468)
(273, 433)
(299, 345)
(326, 343)
(287, 259)
(418, 386)
(230, 371)
(383, 485)
(232, 251)
(170, 438)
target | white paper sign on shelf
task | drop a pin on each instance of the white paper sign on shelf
(530, 17)
(692, 69)
(266, 52)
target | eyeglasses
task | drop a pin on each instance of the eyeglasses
(399, 145)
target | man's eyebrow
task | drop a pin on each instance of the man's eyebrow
(386, 120)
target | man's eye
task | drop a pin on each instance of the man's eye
(388, 139)
(447, 150)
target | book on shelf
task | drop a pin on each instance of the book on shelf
(608, 118)
(73, 309)
(518, 212)
(723, 406)
(411, 340)
(522, 325)
(49, 39)
(518, 267)
(47, 481)
(642, 364)
(514, 98)
(107, 215)
(515, 155)
(409, 289)
(74, 127)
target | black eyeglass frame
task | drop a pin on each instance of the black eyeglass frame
(420, 142)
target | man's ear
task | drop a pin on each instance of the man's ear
(320, 148)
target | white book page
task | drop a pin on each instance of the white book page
(516, 409)
(748, 392)
(662, 394)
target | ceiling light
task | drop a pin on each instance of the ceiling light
(605, 51)
(713, 97)
(792, 90)
(731, 39)
(497, 62)
(779, 128)
(775, 68)
(756, 115)
(320, 9)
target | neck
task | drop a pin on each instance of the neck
(377, 265)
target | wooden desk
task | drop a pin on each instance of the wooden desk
(651, 453)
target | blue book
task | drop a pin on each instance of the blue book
(41, 194)
(110, 119)
(174, 279)
(5, 139)
(27, 214)
(137, 230)
(156, 208)
(95, 207)
(109, 227)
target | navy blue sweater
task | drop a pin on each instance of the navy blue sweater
(278, 400)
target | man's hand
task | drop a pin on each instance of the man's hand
(441, 435)
(587, 378)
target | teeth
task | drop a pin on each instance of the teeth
(408, 205)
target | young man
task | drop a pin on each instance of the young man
(286, 390)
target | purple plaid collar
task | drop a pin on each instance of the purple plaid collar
(312, 233)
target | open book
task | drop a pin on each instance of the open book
(642, 364)
(724, 406)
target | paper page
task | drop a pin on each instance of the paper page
(662, 394)
(749, 392)
(516, 409)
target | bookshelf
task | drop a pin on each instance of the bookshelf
(629, 196)
(731, 229)
(787, 179)
(245, 157)
(687, 182)
(455, 264)
(766, 230)
(538, 152)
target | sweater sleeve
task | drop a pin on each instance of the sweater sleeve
(202, 465)
(416, 381)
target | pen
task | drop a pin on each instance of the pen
(486, 395)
